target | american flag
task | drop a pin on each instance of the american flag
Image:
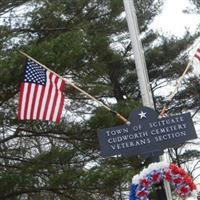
(41, 94)
(197, 54)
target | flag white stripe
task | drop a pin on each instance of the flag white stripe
(57, 106)
(44, 101)
(24, 101)
(37, 102)
(51, 103)
(29, 110)
(53, 92)
(59, 83)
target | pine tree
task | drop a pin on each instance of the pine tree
(78, 39)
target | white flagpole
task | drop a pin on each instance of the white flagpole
(141, 69)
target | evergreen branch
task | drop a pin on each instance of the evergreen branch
(30, 30)
(34, 190)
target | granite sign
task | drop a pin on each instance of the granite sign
(146, 133)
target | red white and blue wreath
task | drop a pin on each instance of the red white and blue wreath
(156, 172)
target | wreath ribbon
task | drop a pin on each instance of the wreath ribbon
(141, 184)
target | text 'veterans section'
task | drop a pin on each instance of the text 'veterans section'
(146, 133)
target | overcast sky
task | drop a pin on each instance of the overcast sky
(173, 21)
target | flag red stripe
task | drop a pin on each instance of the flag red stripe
(54, 100)
(27, 100)
(62, 86)
(33, 102)
(60, 109)
(49, 95)
(198, 57)
(55, 82)
(20, 100)
(40, 102)
(53, 105)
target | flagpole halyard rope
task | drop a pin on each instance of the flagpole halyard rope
(179, 80)
(164, 109)
(79, 89)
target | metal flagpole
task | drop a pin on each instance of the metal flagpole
(143, 79)
(141, 69)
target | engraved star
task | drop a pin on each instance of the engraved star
(142, 115)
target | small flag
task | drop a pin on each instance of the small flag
(41, 94)
(197, 54)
